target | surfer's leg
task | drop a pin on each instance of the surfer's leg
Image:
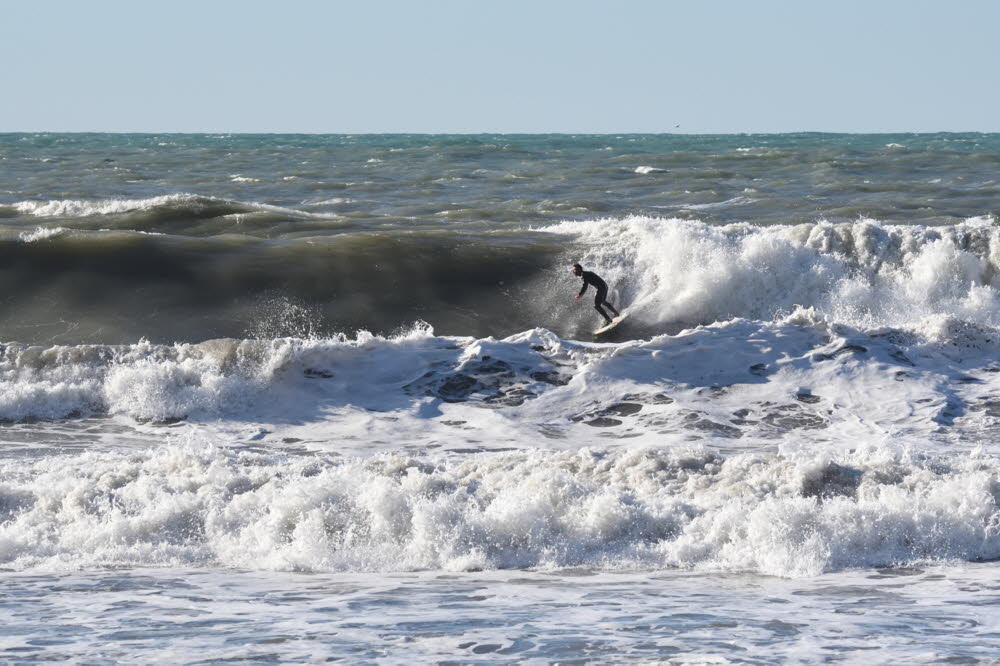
(598, 300)
(601, 298)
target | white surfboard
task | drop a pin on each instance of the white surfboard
(614, 322)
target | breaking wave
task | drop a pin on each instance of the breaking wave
(863, 274)
(184, 505)
(175, 205)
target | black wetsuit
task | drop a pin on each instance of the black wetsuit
(601, 298)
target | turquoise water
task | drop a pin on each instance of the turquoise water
(494, 180)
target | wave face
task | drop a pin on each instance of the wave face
(669, 273)
(109, 286)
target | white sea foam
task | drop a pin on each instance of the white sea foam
(181, 203)
(184, 505)
(865, 273)
(84, 208)
(648, 169)
(41, 233)
(741, 384)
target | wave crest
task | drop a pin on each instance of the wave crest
(170, 206)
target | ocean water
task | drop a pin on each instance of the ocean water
(298, 398)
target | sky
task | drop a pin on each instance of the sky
(574, 66)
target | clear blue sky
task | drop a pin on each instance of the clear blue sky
(510, 66)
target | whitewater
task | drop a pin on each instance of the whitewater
(241, 418)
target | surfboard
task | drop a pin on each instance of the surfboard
(614, 322)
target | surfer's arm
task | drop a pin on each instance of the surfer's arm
(583, 289)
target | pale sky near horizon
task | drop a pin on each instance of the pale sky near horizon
(514, 66)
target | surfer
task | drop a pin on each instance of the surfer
(602, 291)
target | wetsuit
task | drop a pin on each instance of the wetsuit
(601, 298)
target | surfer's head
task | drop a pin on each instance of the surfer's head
(577, 269)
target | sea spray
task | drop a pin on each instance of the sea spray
(863, 273)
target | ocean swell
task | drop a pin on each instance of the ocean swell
(668, 273)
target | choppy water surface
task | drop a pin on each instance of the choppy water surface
(194, 616)
(285, 398)
(193, 237)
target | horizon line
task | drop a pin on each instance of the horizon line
(486, 133)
